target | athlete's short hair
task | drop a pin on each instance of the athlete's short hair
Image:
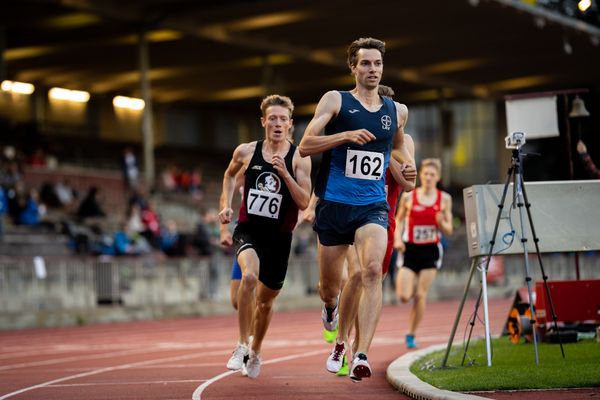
(276, 100)
(432, 162)
(363, 43)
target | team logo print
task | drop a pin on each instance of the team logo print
(386, 122)
(268, 182)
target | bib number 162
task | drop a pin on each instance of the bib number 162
(364, 165)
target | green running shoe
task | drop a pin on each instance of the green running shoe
(330, 336)
(344, 371)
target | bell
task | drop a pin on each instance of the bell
(578, 108)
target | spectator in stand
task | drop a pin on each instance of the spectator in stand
(196, 189)
(134, 219)
(587, 161)
(171, 242)
(130, 169)
(204, 239)
(184, 180)
(151, 222)
(169, 184)
(3, 210)
(48, 195)
(90, 206)
(32, 211)
(10, 174)
(66, 194)
(127, 244)
(38, 158)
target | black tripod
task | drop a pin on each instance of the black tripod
(520, 200)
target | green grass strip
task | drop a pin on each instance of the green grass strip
(513, 367)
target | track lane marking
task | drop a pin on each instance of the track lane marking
(110, 369)
(197, 395)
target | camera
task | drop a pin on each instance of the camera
(515, 140)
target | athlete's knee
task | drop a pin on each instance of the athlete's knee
(404, 298)
(249, 281)
(371, 274)
(264, 306)
(420, 295)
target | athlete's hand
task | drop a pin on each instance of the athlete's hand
(307, 216)
(359, 136)
(409, 172)
(279, 165)
(440, 217)
(226, 215)
(400, 246)
(226, 238)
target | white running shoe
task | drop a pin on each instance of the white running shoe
(327, 324)
(336, 358)
(253, 365)
(237, 357)
(360, 368)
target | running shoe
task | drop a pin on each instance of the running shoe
(244, 369)
(360, 368)
(329, 336)
(330, 322)
(253, 365)
(336, 357)
(237, 357)
(344, 371)
(410, 342)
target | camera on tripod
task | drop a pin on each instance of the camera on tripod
(515, 140)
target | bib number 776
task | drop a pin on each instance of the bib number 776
(265, 204)
(362, 164)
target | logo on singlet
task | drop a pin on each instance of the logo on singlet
(257, 167)
(386, 122)
(354, 110)
(268, 182)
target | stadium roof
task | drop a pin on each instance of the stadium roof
(230, 53)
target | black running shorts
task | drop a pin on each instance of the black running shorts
(273, 249)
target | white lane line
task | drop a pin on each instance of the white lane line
(125, 383)
(155, 347)
(76, 358)
(6, 352)
(110, 369)
(197, 395)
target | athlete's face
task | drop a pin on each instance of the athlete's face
(429, 177)
(277, 123)
(369, 68)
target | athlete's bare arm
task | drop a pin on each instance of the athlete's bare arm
(240, 159)
(397, 168)
(444, 216)
(313, 142)
(403, 208)
(402, 145)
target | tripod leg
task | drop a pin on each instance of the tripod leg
(472, 325)
(510, 174)
(459, 313)
(520, 203)
(539, 257)
(486, 317)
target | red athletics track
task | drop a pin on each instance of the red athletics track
(185, 358)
